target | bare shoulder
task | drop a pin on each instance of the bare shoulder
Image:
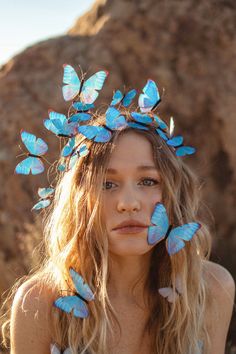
(30, 318)
(219, 280)
(221, 293)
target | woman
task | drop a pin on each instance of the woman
(99, 226)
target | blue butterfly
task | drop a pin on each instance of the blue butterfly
(68, 148)
(76, 304)
(60, 125)
(36, 147)
(82, 112)
(124, 99)
(45, 201)
(86, 90)
(177, 143)
(73, 153)
(162, 125)
(161, 229)
(82, 107)
(150, 97)
(114, 121)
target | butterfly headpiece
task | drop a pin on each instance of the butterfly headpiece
(82, 94)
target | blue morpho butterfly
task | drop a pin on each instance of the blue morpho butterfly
(102, 134)
(36, 147)
(60, 125)
(74, 153)
(150, 98)
(45, 201)
(140, 120)
(82, 112)
(77, 304)
(125, 99)
(177, 143)
(86, 90)
(161, 229)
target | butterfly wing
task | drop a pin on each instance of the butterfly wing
(54, 349)
(150, 97)
(137, 126)
(162, 134)
(72, 81)
(72, 304)
(45, 192)
(168, 293)
(175, 240)
(30, 164)
(141, 118)
(175, 141)
(129, 96)
(35, 146)
(81, 287)
(91, 86)
(160, 122)
(82, 107)
(114, 120)
(79, 117)
(160, 221)
(185, 150)
(68, 148)
(117, 97)
(42, 204)
(96, 133)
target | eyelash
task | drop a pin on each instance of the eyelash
(143, 179)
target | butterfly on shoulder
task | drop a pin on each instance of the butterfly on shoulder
(150, 98)
(172, 293)
(45, 195)
(175, 236)
(102, 134)
(87, 91)
(54, 349)
(124, 98)
(36, 147)
(77, 303)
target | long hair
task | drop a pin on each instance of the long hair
(75, 236)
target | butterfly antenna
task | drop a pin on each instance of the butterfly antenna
(20, 155)
(163, 92)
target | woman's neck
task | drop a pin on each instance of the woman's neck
(127, 276)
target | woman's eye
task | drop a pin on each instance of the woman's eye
(149, 181)
(107, 185)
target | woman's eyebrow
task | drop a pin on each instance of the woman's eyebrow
(139, 168)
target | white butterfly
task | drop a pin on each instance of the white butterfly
(170, 293)
(56, 350)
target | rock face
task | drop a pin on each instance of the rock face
(188, 47)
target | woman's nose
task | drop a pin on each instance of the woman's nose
(128, 201)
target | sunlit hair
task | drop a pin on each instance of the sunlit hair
(75, 236)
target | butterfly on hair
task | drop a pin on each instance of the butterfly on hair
(102, 134)
(85, 90)
(45, 195)
(123, 98)
(77, 303)
(36, 148)
(171, 293)
(175, 236)
(150, 98)
(54, 349)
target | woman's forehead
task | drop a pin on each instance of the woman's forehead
(132, 150)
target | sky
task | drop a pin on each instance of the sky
(26, 22)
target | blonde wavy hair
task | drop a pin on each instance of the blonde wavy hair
(75, 236)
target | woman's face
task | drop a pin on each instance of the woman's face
(131, 190)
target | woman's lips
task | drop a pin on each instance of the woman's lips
(131, 229)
